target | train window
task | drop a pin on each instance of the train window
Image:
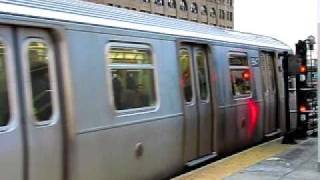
(4, 99)
(186, 77)
(132, 73)
(202, 75)
(240, 75)
(38, 55)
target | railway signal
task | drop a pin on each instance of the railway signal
(306, 88)
(301, 83)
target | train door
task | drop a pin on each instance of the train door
(41, 104)
(197, 100)
(269, 93)
(11, 143)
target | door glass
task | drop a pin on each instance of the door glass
(40, 80)
(186, 77)
(271, 71)
(202, 75)
(4, 100)
(268, 71)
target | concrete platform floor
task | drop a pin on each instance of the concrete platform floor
(269, 161)
(299, 163)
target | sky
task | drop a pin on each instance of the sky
(286, 20)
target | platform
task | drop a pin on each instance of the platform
(269, 161)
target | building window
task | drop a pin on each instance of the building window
(231, 3)
(240, 75)
(221, 14)
(229, 16)
(194, 8)
(204, 11)
(132, 73)
(183, 5)
(172, 4)
(41, 88)
(213, 13)
(159, 2)
(4, 97)
(146, 1)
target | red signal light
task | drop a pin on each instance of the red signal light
(303, 69)
(246, 75)
(303, 108)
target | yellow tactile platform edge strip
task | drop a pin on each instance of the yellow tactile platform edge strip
(235, 163)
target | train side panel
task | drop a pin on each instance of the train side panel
(239, 121)
(140, 145)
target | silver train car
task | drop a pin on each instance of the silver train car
(90, 92)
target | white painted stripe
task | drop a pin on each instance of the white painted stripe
(63, 16)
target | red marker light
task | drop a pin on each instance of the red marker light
(303, 108)
(303, 69)
(246, 75)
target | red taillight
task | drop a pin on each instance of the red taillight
(303, 108)
(303, 69)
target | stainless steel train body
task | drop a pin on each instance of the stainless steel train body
(202, 92)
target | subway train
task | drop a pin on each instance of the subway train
(91, 92)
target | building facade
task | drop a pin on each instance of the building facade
(212, 12)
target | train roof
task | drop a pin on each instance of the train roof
(78, 11)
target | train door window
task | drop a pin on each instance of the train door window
(240, 75)
(267, 68)
(271, 71)
(202, 75)
(4, 99)
(38, 56)
(264, 69)
(186, 74)
(132, 73)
